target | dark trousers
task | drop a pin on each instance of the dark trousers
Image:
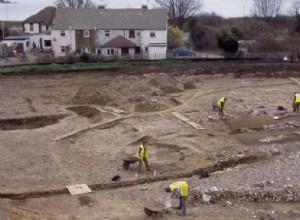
(146, 164)
(182, 204)
(296, 107)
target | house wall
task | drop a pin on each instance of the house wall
(160, 38)
(157, 53)
(85, 42)
(39, 41)
(27, 28)
(36, 28)
(13, 42)
(101, 39)
(59, 41)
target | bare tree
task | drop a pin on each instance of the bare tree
(266, 8)
(74, 4)
(180, 10)
(296, 7)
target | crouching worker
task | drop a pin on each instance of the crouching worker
(143, 156)
(220, 106)
(179, 189)
(296, 102)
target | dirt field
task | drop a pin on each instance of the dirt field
(68, 128)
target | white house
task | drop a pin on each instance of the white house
(39, 22)
(110, 32)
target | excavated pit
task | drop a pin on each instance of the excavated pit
(31, 122)
(88, 112)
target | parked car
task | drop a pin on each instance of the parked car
(183, 52)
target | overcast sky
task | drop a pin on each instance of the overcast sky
(226, 8)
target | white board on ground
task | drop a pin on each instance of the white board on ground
(187, 120)
(78, 189)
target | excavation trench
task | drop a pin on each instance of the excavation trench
(31, 122)
(285, 195)
(218, 166)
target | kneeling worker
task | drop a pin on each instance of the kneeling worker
(180, 189)
(296, 102)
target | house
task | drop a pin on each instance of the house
(110, 32)
(39, 22)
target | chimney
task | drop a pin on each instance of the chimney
(101, 7)
(144, 7)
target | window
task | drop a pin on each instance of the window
(86, 33)
(31, 26)
(107, 34)
(47, 43)
(152, 34)
(62, 49)
(62, 33)
(110, 51)
(146, 49)
(131, 34)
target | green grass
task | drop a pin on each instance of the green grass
(83, 66)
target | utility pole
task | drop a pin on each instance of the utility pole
(6, 2)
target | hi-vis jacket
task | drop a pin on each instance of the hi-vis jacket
(220, 103)
(143, 152)
(297, 98)
(181, 186)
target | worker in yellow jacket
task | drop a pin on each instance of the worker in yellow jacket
(220, 106)
(296, 102)
(180, 189)
(143, 156)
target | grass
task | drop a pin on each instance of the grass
(54, 67)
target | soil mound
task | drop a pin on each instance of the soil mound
(97, 96)
(150, 106)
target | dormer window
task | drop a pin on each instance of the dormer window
(62, 33)
(152, 34)
(107, 33)
(86, 33)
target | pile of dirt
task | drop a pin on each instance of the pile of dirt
(150, 106)
(165, 84)
(86, 95)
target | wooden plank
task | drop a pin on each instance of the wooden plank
(69, 134)
(115, 110)
(187, 120)
(295, 80)
(79, 189)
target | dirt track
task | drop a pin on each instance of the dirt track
(38, 110)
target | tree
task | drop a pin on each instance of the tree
(228, 41)
(296, 11)
(266, 8)
(74, 4)
(175, 38)
(180, 10)
(202, 36)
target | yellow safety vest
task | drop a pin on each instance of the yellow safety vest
(219, 103)
(143, 152)
(297, 98)
(181, 186)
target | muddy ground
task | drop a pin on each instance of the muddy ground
(62, 129)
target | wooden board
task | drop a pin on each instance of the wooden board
(188, 121)
(79, 189)
(295, 80)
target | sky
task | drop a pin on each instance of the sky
(22, 9)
